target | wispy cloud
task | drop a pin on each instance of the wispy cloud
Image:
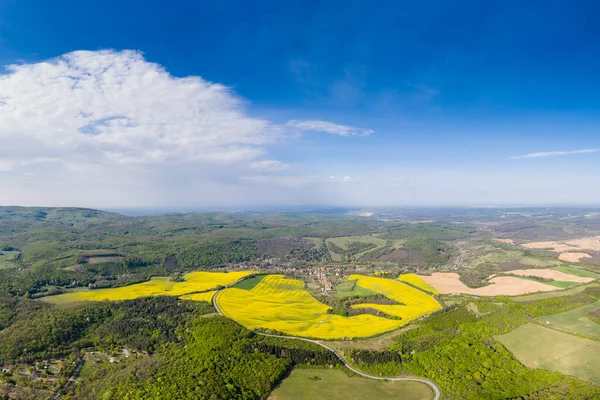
(329, 127)
(557, 153)
(270, 166)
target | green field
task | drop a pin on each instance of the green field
(498, 257)
(553, 295)
(7, 258)
(433, 231)
(315, 241)
(249, 283)
(323, 384)
(559, 284)
(536, 262)
(351, 289)
(539, 347)
(577, 272)
(344, 241)
(575, 321)
(475, 310)
(88, 369)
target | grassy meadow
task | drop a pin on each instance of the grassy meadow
(249, 283)
(323, 384)
(544, 348)
(553, 295)
(7, 259)
(577, 272)
(345, 244)
(575, 321)
(349, 288)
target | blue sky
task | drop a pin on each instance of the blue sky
(427, 103)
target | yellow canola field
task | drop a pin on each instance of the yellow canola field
(417, 281)
(415, 302)
(283, 305)
(204, 296)
(193, 282)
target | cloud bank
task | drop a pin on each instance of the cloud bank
(114, 107)
(110, 129)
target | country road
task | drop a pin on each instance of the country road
(71, 381)
(433, 386)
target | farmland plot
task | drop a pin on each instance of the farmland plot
(194, 282)
(539, 347)
(414, 302)
(284, 305)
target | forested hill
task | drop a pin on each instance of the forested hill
(53, 248)
(65, 216)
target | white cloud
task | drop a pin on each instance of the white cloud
(556, 153)
(329, 127)
(114, 107)
(110, 129)
(344, 179)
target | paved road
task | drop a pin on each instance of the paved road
(71, 381)
(432, 385)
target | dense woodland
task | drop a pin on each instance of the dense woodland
(215, 359)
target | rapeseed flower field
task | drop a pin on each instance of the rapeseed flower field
(204, 296)
(284, 305)
(160, 286)
(415, 303)
(419, 282)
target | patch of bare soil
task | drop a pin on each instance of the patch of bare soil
(507, 241)
(449, 282)
(586, 243)
(103, 259)
(573, 257)
(550, 274)
(74, 268)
